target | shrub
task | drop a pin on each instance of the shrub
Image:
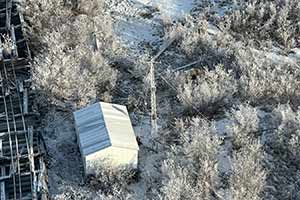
(82, 193)
(286, 137)
(294, 144)
(190, 171)
(110, 179)
(71, 59)
(199, 41)
(43, 16)
(247, 179)
(264, 20)
(208, 92)
(263, 81)
(76, 75)
(244, 123)
(247, 176)
(282, 148)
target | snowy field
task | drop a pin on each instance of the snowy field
(141, 26)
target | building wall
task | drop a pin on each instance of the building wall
(114, 155)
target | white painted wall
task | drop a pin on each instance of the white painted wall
(114, 155)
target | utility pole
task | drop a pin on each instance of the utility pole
(164, 46)
(153, 101)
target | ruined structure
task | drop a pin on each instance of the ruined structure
(22, 167)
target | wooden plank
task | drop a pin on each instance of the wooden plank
(2, 184)
(14, 42)
(13, 132)
(32, 166)
(8, 14)
(1, 51)
(154, 128)
(23, 30)
(187, 66)
(25, 101)
(166, 44)
(4, 28)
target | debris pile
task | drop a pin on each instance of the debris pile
(22, 166)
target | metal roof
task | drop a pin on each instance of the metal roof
(102, 125)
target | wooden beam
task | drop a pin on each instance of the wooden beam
(25, 101)
(2, 184)
(1, 51)
(8, 14)
(174, 36)
(14, 42)
(187, 65)
(32, 166)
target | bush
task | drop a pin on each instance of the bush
(247, 179)
(190, 170)
(294, 144)
(247, 175)
(263, 81)
(244, 123)
(71, 62)
(111, 180)
(43, 16)
(286, 137)
(282, 150)
(82, 193)
(199, 41)
(76, 75)
(264, 20)
(207, 91)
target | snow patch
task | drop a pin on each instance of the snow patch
(139, 23)
(172, 9)
(134, 31)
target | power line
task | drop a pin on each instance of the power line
(183, 96)
(173, 37)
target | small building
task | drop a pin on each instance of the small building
(104, 132)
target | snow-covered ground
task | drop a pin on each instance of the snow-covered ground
(139, 23)
(171, 9)
(135, 32)
(65, 165)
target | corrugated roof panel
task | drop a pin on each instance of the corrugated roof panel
(119, 126)
(94, 148)
(87, 139)
(90, 124)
